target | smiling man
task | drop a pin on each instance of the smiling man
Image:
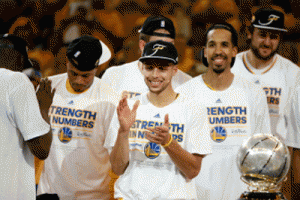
(78, 165)
(157, 147)
(279, 77)
(235, 107)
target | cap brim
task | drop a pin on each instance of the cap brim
(270, 28)
(106, 54)
(143, 59)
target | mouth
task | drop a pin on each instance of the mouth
(219, 60)
(155, 83)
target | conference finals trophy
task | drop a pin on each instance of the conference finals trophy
(263, 161)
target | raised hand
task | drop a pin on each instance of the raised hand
(160, 134)
(125, 115)
(45, 96)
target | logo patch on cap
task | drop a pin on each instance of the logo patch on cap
(77, 54)
(162, 23)
(270, 20)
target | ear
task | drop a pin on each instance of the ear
(205, 52)
(175, 70)
(142, 45)
(249, 35)
(234, 51)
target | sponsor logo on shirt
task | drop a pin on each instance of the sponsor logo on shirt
(71, 102)
(157, 116)
(219, 101)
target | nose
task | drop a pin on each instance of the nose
(218, 49)
(267, 40)
(155, 72)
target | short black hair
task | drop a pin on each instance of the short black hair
(226, 26)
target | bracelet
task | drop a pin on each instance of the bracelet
(168, 144)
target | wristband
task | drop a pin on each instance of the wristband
(168, 144)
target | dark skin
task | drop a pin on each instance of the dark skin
(40, 146)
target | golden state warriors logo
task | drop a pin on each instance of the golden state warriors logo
(270, 20)
(152, 150)
(218, 134)
(65, 135)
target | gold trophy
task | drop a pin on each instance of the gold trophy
(263, 161)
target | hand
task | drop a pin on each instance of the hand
(161, 133)
(45, 96)
(125, 115)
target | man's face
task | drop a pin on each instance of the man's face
(158, 74)
(80, 80)
(219, 50)
(264, 43)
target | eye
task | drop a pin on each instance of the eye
(211, 44)
(85, 75)
(225, 44)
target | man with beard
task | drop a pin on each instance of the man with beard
(277, 75)
(236, 109)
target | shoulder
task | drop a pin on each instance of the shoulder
(14, 79)
(248, 85)
(57, 79)
(116, 70)
(192, 84)
(287, 64)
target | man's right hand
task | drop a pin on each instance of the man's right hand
(45, 96)
(125, 115)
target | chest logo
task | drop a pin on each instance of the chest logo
(152, 150)
(218, 134)
(65, 135)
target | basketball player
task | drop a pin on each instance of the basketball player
(24, 123)
(277, 75)
(236, 109)
(158, 146)
(127, 79)
(78, 164)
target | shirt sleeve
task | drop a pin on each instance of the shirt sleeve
(198, 133)
(25, 110)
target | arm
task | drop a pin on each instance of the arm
(189, 164)
(40, 146)
(119, 156)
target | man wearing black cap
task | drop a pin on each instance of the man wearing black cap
(236, 108)
(24, 123)
(12, 44)
(153, 160)
(78, 164)
(278, 76)
(127, 79)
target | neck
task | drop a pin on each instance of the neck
(218, 82)
(257, 63)
(163, 98)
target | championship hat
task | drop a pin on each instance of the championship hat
(160, 50)
(267, 18)
(154, 23)
(87, 53)
(18, 44)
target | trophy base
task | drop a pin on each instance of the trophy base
(262, 195)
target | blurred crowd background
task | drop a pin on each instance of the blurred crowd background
(49, 25)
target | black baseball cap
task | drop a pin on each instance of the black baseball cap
(160, 50)
(267, 18)
(18, 44)
(154, 23)
(87, 53)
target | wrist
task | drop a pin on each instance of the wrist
(169, 141)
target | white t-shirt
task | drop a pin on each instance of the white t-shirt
(20, 121)
(278, 80)
(128, 79)
(78, 164)
(151, 173)
(233, 115)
